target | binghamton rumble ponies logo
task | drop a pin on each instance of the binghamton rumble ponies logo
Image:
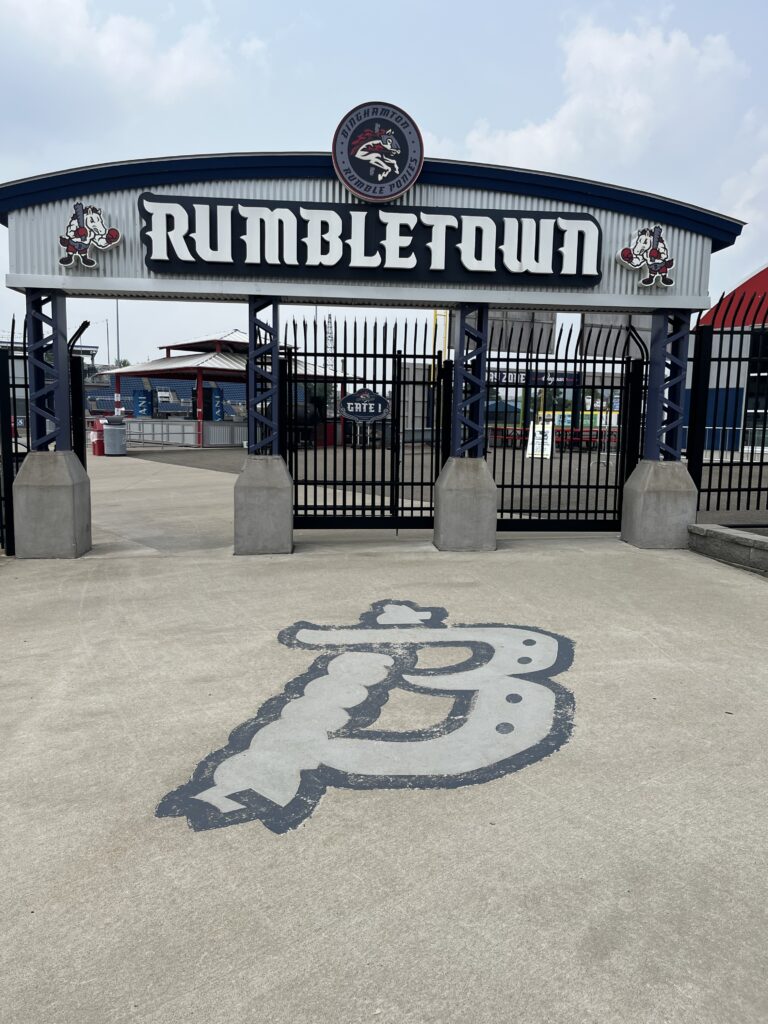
(320, 731)
(378, 152)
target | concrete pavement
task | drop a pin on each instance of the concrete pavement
(620, 879)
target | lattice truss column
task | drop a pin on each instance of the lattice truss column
(263, 379)
(469, 388)
(668, 364)
(48, 360)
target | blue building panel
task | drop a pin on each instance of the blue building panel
(725, 411)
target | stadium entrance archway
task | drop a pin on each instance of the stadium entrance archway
(558, 422)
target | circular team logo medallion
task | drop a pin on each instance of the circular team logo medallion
(378, 152)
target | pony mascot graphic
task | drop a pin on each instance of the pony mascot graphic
(86, 228)
(649, 250)
(379, 149)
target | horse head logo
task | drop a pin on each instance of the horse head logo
(649, 250)
(379, 148)
(86, 228)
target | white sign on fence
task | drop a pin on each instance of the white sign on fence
(539, 441)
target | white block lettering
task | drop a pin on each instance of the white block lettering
(439, 222)
(323, 228)
(202, 233)
(572, 231)
(395, 241)
(279, 226)
(356, 243)
(160, 233)
(471, 227)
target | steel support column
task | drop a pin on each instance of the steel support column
(668, 362)
(199, 407)
(469, 387)
(48, 360)
(263, 383)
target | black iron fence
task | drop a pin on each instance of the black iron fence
(364, 432)
(14, 428)
(727, 404)
(15, 433)
(564, 416)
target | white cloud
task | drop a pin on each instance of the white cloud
(627, 95)
(253, 47)
(745, 195)
(122, 52)
(441, 147)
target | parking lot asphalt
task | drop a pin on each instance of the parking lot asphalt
(601, 858)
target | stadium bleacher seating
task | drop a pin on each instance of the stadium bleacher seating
(100, 398)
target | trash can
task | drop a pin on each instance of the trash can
(97, 437)
(114, 436)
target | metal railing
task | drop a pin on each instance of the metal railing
(581, 393)
(14, 428)
(161, 433)
(728, 432)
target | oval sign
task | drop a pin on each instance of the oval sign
(377, 152)
(364, 406)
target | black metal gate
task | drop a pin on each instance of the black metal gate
(349, 473)
(564, 413)
(727, 435)
(15, 426)
(14, 429)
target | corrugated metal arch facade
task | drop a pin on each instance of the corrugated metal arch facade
(37, 211)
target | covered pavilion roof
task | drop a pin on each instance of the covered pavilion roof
(220, 357)
(228, 341)
(745, 306)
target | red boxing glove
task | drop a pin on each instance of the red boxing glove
(113, 235)
(81, 232)
(654, 254)
(626, 255)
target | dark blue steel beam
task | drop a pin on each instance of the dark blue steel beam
(668, 363)
(263, 379)
(141, 174)
(469, 387)
(48, 360)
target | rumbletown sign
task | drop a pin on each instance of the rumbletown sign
(203, 236)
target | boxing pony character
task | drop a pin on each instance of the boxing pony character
(86, 228)
(649, 250)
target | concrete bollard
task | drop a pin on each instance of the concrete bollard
(52, 506)
(465, 507)
(264, 507)
(660, 500)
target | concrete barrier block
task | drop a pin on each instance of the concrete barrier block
(736, 547)
(660, 500)
(52, 506)
(465, 507)
(264, 507)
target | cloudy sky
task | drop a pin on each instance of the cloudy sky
(668, 98)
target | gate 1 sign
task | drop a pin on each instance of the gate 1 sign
(364, 406)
